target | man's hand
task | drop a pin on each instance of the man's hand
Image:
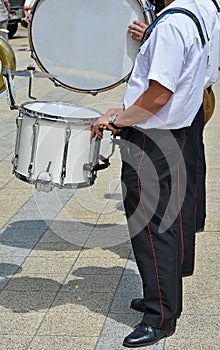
(137, 29)
(103, 123)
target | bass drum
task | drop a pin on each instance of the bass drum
(85, 44)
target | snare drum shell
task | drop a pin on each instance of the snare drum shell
(50, 144)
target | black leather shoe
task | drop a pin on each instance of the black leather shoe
(145, 335)
(137, 304)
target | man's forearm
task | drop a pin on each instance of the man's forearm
(148, 104)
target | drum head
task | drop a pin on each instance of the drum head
(85, 44)
(58, 111)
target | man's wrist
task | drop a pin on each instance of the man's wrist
(112, 119)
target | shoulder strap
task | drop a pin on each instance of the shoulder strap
(216, 5)
(186, 12)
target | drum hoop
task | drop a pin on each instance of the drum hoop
(67, 87)
(55, 118)
(73, 186)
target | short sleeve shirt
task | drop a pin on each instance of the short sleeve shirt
(211, 18)
(29, 3)
(173, 56)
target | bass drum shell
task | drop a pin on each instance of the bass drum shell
(52, 121)
(85, 44)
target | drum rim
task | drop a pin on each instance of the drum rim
(55, 118)
(74, 185)
(57, 82)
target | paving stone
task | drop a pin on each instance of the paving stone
(52, 265)
(22, 302)
(78, 300)
(62, 322)
(15, 342)
(20, 323)
(121, 250)
(190, 333)
(62, 342)
(105, 284)
(35, 283)
(99, 266)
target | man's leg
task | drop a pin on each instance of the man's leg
(201, 187)
(147, 185)
(189, 208)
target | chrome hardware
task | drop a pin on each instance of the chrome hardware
(89, 171)
(149, 11)
(31, 73)
(17, 143)
(65, 151)
(93, 92)
(34, 148)
(89, 174)
(6, 73)
(94, 152)
(44, 180)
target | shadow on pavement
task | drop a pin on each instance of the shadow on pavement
(64, 235)
(88, 288)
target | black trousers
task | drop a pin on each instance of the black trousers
(152, 200)
(193, 209)
(201, 180)
(201, 191)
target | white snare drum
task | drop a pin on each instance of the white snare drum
(85, 44)
(53, 146)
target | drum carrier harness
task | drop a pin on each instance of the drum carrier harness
(186, 12)
(216, 5)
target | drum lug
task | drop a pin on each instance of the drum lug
(89, 171)
(18, 136)
(34, 147)
(65, 151)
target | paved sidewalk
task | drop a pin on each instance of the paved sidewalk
(67, 272)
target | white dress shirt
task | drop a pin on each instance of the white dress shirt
(212, 22)
(29, 3)
(173, 56)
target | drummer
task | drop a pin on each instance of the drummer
(193, 210)
(163, 95)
